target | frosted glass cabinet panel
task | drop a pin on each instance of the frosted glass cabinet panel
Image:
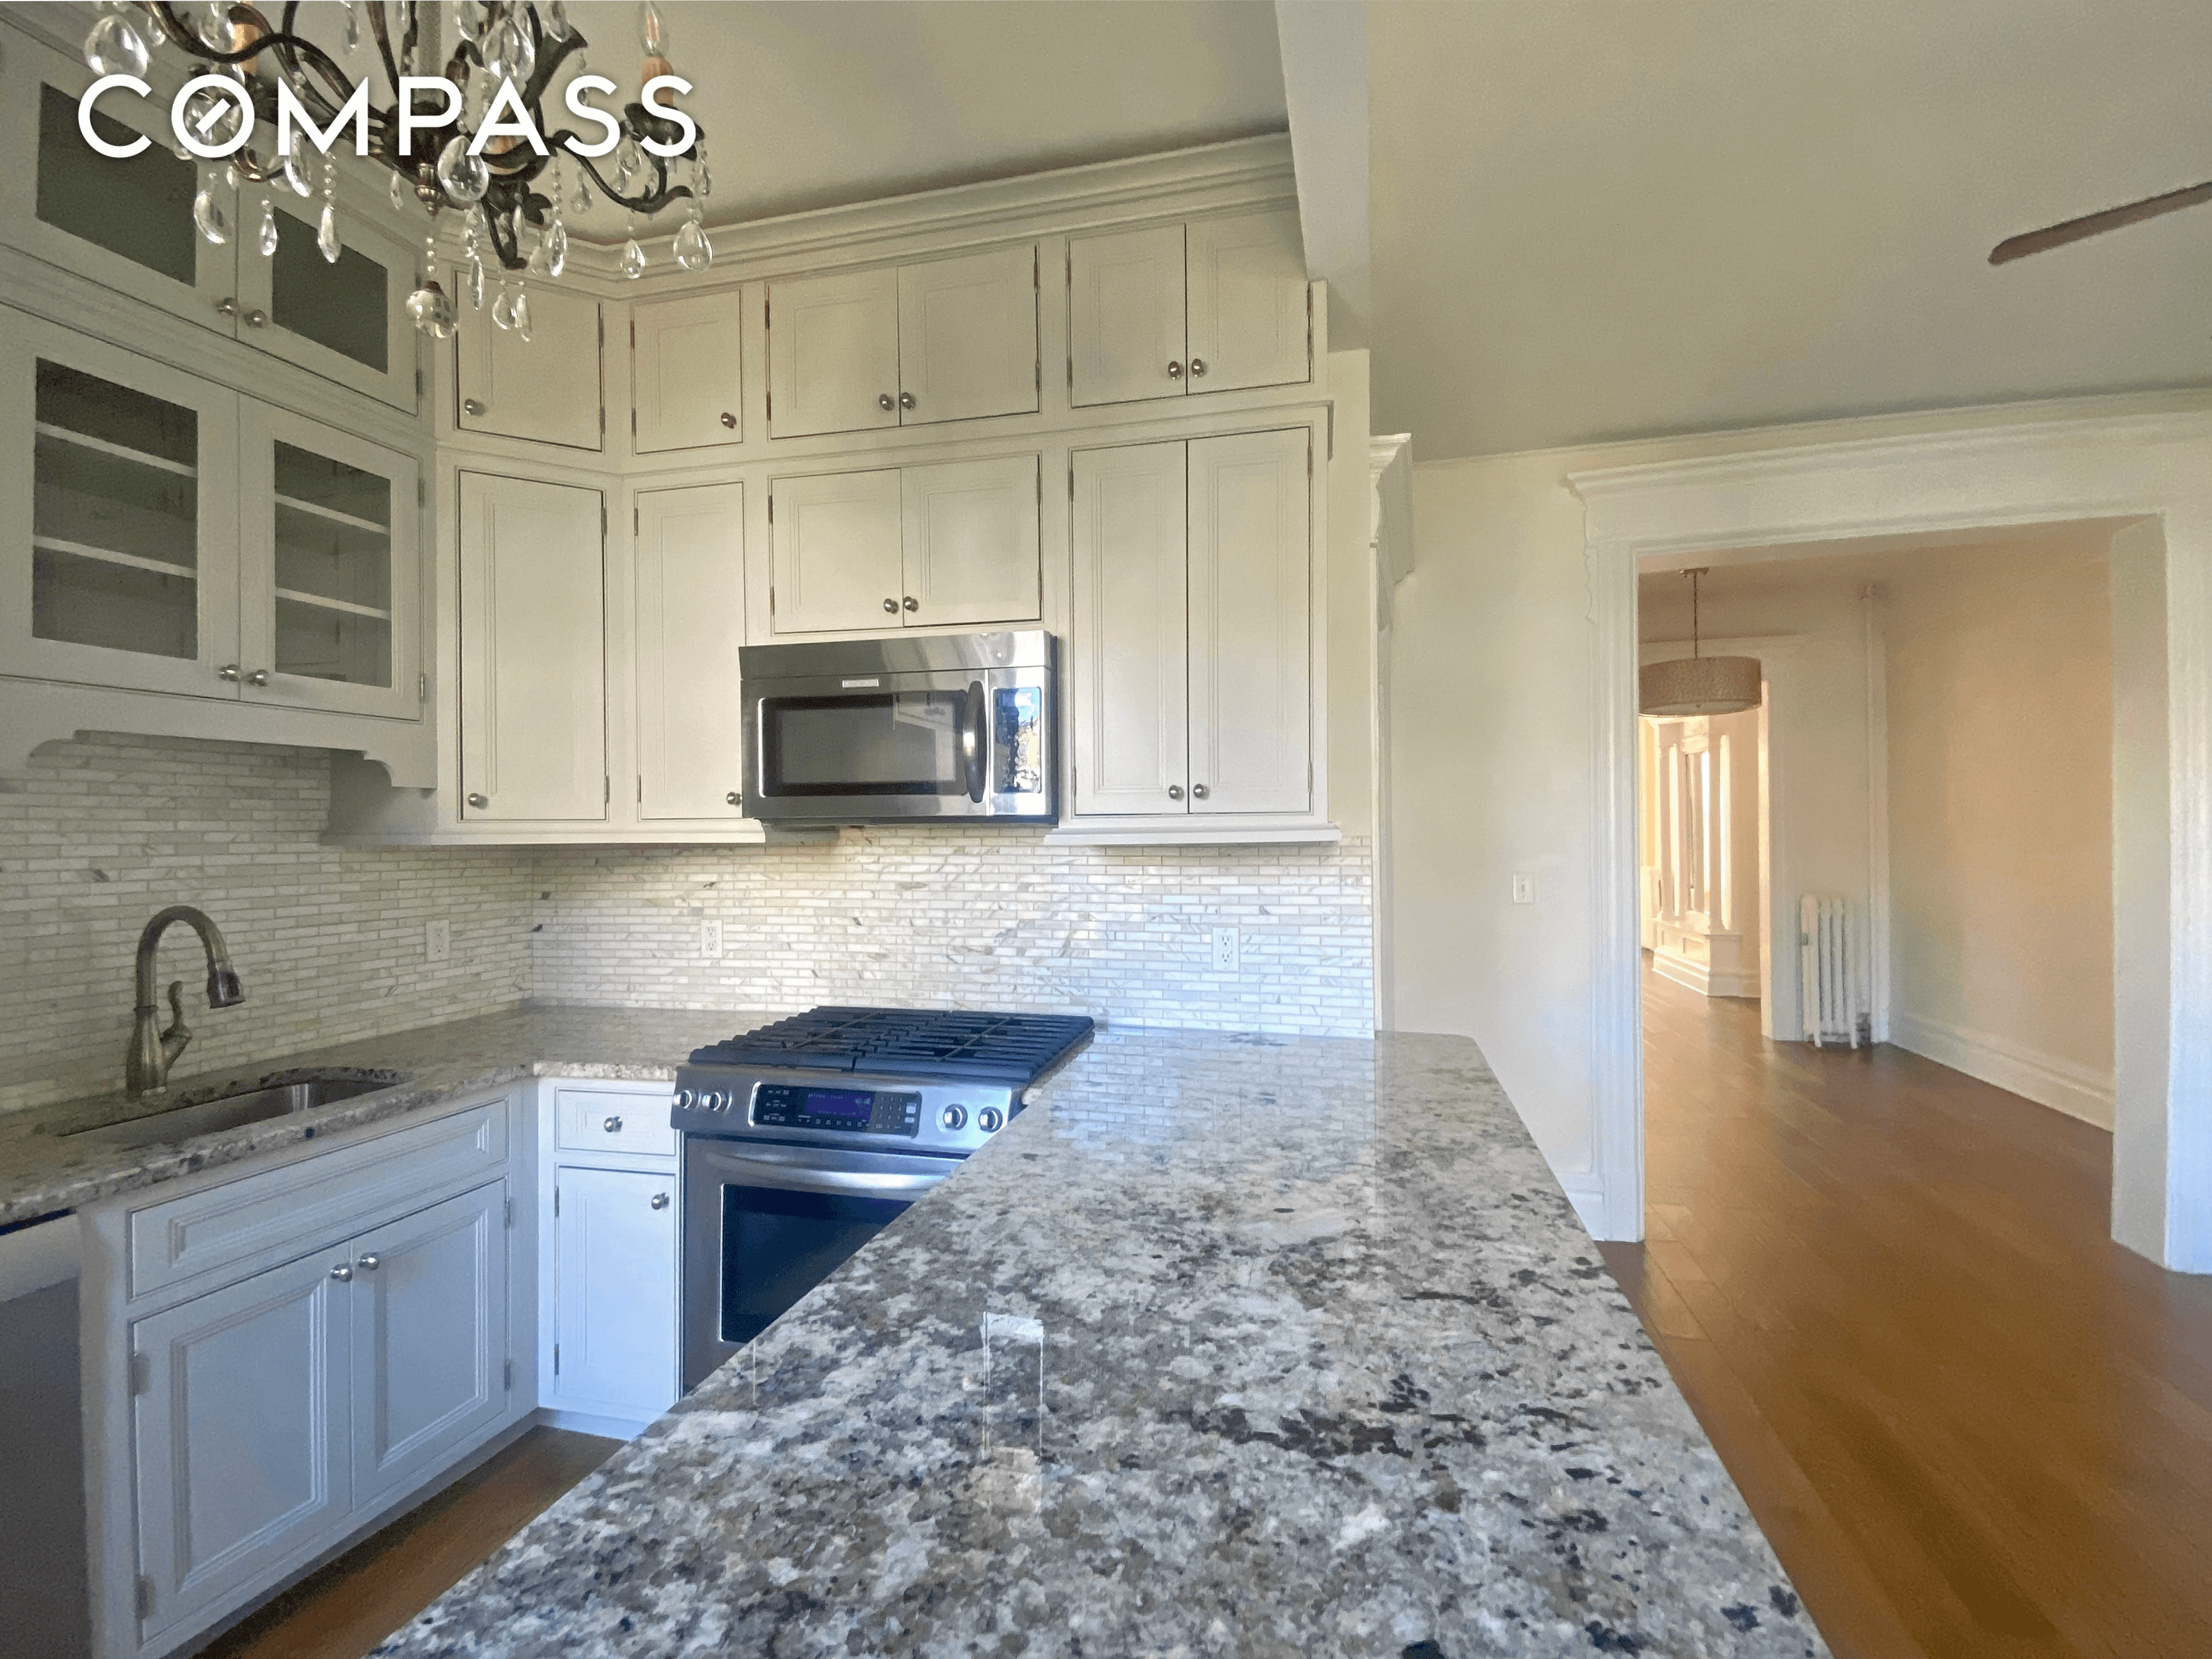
(119, 498)
(346, 319)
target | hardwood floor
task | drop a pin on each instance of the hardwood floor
(1971, 1423)
(343, 1610)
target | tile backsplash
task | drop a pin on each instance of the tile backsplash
(101, 833)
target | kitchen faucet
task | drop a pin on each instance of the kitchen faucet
(153, 1051)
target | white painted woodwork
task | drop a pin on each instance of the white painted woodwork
(428, 1308)
(382, 666)
(1247, 313)
(100, 515)
(686, 371)
(602, 1120)
(836, 538)
(347, 322)
(615, 1264)
(241, 1436)
(1127, 677)
(533, 690)
(833, 352)
(968, 335)
(971, 553)
(1125, 315)
(687, 622)
(544, 389)
(1251, 618)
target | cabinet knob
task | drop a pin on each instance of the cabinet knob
(1174, 792)
(1198, 792)
(891, 605)
(906, 400)
(226, 307)
(883, 400)
(259, 677)
(660, 1200)
(1197, 366)
(227, 671)
(734, 798)
(912, 604)
(342, 1273)
(729, 420)
(479, 801)
(257, 317)
(472, 406)
(370, 1264)
(1174, 371)
(612, 1126)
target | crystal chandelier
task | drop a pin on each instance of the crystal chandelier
(513, 186)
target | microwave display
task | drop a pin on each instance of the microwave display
(1017, 725)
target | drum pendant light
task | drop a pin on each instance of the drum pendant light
(1697, 685)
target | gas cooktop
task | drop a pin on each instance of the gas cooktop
(920, 1043)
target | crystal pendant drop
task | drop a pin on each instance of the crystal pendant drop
(502, 308)
(398, 194)
(295, 174)
(463, 177)
(521, 315)
(215, 26)
(628, 159)
(431, 311)
(208, 216)
(556, 20)
(113, 48)
(475, 285)
(633, 259)
(326, 235)
(268, 229)
(353, 26)
(580, 198)
(556, 248)
(693, 251)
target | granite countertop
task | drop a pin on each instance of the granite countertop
(43, 1172)
(1226, 1348)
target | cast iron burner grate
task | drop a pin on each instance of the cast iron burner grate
(915, 1043)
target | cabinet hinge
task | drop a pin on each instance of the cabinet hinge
(603, 520)
(418, 382)
(509, 1212)
(607, 791)
(768, 310)
(633, 426)
(771, 600)
(141, 1373)
(557, 1359)
(771, 403)
(421, 492)
(603, 325)
(640, 789)
(507, 1377)
(145, 1597)
(1071, 478)
(633, 323)
(557, 1202)
(421, 688)
(603, 421)
(1036, 268)
(1332, 437)
(636, 521)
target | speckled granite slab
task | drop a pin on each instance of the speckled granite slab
(1226, 1348)
(43, 1170)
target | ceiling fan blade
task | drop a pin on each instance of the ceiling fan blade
(2096, 224)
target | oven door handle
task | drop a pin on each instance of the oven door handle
(795, 1178)
(973, 739)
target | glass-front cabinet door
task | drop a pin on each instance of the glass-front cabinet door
(344, 319)
(330, 580)
(120, 495)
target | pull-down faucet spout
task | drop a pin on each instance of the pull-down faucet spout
(153, 1050)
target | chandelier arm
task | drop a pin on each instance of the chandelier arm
(647, 205)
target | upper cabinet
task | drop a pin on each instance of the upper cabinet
(1217, 305)
(685, 375)
(687, 622)
(128, 225)
(543, 388)
(937, 340)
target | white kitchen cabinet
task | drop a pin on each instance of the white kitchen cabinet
(833, 353)
(968, 335)
(429, 1310)
(685, 377)
(544, 389)
(970, 541)
(615, 1325)
(1218, 305)
(241, 1439)
(127, 224)
(1191, 618)
(916, 546)
(837, 542)
(687, 622)
(532, 624)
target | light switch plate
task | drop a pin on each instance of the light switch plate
(438, 939)
(1524, 888)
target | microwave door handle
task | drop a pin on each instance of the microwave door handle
(973, 740)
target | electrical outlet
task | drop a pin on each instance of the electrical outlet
(710, 939)
(1524, 888)
(438, 939)
(1226, 956)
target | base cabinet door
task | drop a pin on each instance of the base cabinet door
(241, 1439)
(615, 1335)
(429, 1338)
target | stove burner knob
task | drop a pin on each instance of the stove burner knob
(954, 1117)
(684, 1100)
(989, 1119)
(716, 1101)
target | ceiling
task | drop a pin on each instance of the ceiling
(1612, 220)
(814, 104)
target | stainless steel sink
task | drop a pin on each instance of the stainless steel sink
(230, 1105)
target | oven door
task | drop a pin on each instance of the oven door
(763, 1223)
(881, 747)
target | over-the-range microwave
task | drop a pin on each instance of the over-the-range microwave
(921, 726)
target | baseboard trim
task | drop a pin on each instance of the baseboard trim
(1585, 1190)
(610, 1428)
(2044, 1078)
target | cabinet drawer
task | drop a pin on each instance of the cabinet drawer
(639, 1122)
(264, 1218)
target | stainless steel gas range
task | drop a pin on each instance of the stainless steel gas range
(804, 1139)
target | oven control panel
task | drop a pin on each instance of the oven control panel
(865, 1111)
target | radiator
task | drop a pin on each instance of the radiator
(1828, 976)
